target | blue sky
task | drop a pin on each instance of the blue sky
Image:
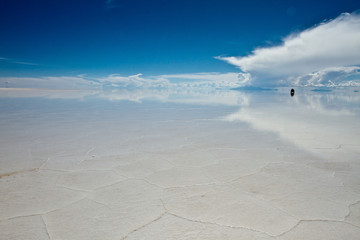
(127, 37)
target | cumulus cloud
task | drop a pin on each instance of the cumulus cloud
(328, 47)
(337, 76)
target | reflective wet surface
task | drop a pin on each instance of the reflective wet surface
(174, 164)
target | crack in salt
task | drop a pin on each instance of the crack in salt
(145, 225)
(350, 205)
(127, 179)
(74, 189)
(64, 206)
(292, 228)
(86, 154)
(16, 217)
(314, 220)
(46, 227)
(44, 163)
(194, 185)
(217, 224)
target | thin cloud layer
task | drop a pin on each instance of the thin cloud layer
(207, 80)
(333, 45)
(8, 60)
(191, 80)
(133, 81)
(63, 82)
(173, 81)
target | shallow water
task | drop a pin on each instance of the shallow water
(173, 164)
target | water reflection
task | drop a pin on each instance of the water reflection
(110, 157)
(311, 120)
(138, 95)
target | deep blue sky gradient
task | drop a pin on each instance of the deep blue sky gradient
(101, 37)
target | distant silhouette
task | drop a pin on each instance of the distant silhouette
(292, 92)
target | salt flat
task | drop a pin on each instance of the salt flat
(161, 164)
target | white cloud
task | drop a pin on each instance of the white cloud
(331, 45)
(337, 76)
(191, 80)
(133, 81)
(174, 81)
(18, 62)
(63, 82)
(210, 79)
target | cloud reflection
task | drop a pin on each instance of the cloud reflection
(173, 95)
(309, 120)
